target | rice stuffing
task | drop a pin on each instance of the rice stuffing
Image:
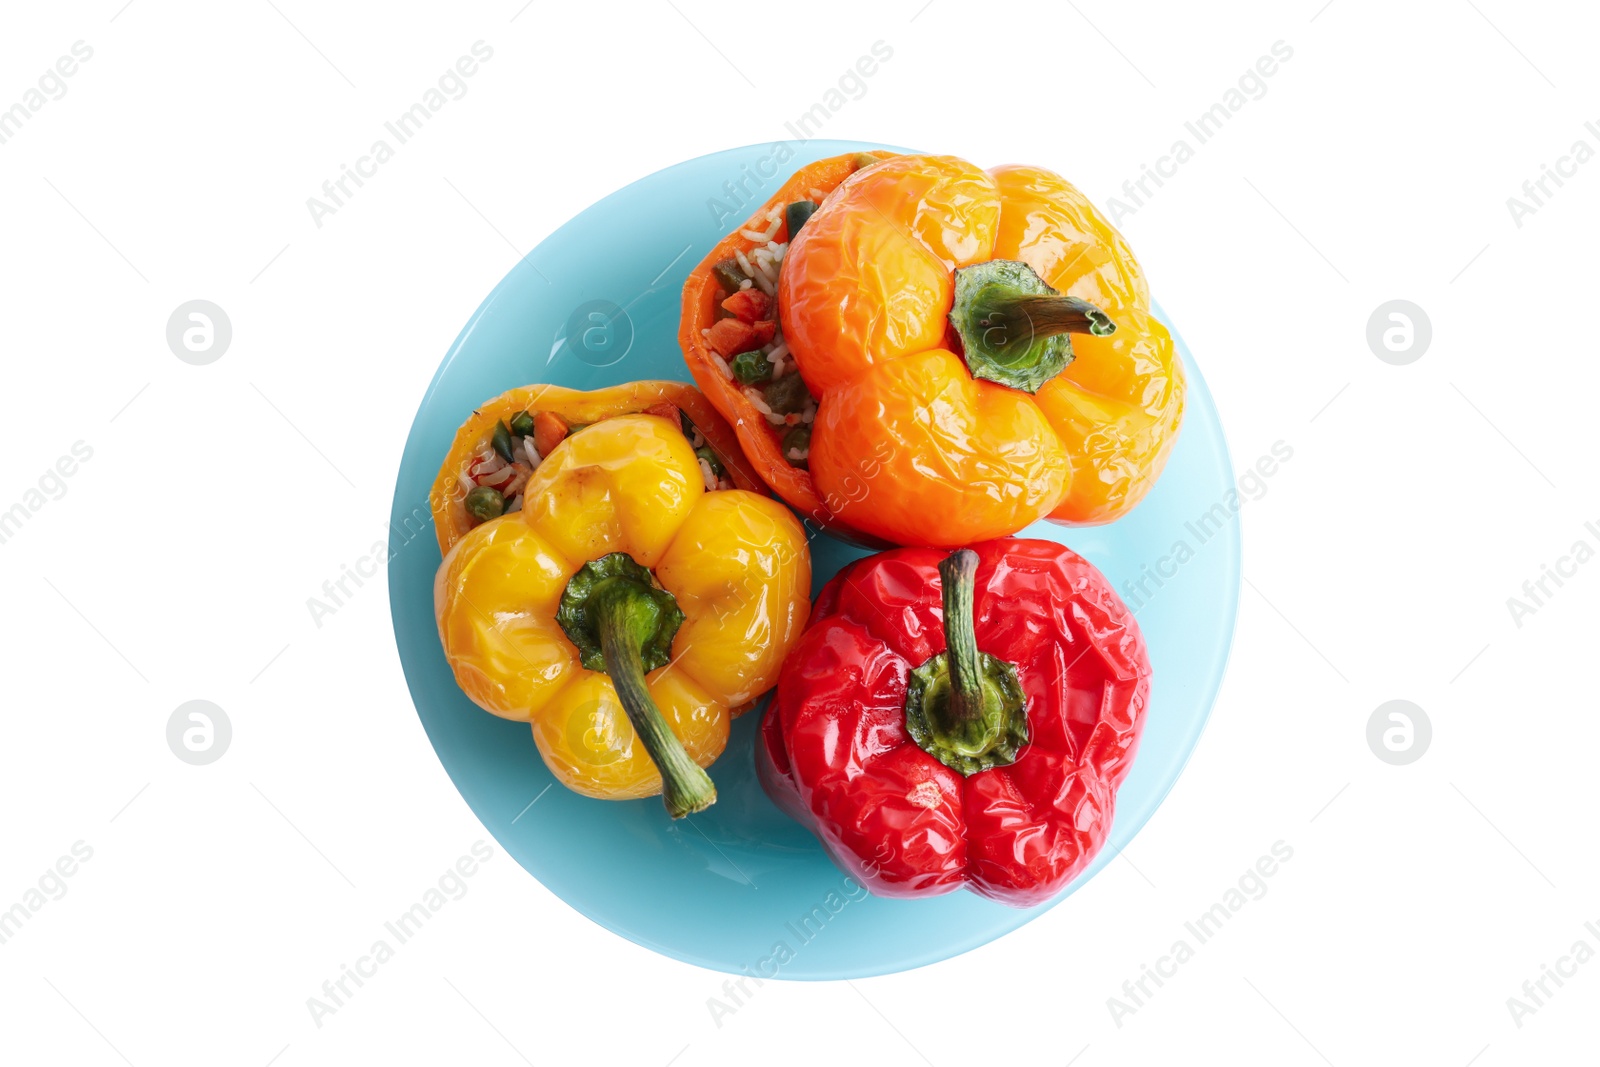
(491, 485)
(747, 345)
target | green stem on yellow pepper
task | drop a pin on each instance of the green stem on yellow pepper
(963, 707)
(1014, 328)
(623, 623)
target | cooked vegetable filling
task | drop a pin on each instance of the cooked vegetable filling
(493, 479)
(746, 341)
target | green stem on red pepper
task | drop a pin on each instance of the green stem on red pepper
(623, 623)
(1014, 328)
(965, 708)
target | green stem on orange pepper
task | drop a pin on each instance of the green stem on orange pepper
(1014, 328)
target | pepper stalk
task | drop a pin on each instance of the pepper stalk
(623, 623)
(1014, 328)
(965, 708)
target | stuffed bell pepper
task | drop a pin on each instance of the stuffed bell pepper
(960, 721)
(496, 450)
(925, 353)
(617, 591)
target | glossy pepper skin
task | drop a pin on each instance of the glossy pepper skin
(864, 297)
(702, 302)
(837, 746)
(905, 430)
(450, 519)
(734, 562)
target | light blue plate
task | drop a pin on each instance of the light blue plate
(726, 888)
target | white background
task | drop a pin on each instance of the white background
(219, 498)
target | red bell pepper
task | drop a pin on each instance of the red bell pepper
(960, 721)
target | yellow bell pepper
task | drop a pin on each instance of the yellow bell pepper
(625, 609)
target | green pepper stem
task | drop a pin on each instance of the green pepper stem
(957, 573)
(1014, 328)
(965, 708)
(1047, 316)
(621, 608)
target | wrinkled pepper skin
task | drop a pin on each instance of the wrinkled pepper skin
(702, 298)
(736, 562)
(450, 519)
(835, 751)
(863, 298)
(908, 447)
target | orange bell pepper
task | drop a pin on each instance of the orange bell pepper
(703, 297)
(979, 343)
(552, 411)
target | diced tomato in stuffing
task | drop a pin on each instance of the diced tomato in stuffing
(729, 337)
(764, 331)
(548, 431)
(749, 305)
